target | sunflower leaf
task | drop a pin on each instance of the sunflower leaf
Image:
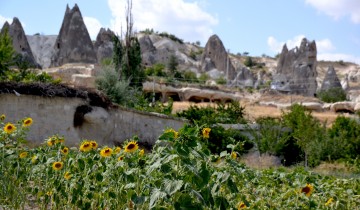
(172, 186)
(156, 194)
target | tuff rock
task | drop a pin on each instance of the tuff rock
(104, 44)
(331, 80)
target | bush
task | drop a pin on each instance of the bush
(249, 62)
(156, 70)
(190, 76)
(332, 95)
(221, 81)
(203, 78)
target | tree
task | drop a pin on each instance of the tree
(172, 64)
(7, 53)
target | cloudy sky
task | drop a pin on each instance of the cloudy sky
(255, 26)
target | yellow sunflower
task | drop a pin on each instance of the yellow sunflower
(67, 175)
(27, 122)
(94, 145)
(170, 130)
(59, 140)
(57, 166)
(34, 159)
(85, 146)
(141, 153)
(117, 150)
(106, 152)
(329, 201)
(2, 117)
(9, 128)
(308, 189)
(23, 155)
(50, 141)
(206, 132)
(241, 205)
(120, 158)
(233, 155)
(132, 146)
(65, 151)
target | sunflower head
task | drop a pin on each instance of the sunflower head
(106, 152)
(59, 140)
(67, 175)
(170, 130)
(308, 189)
(9, 128)
(117, 150)
(94, 145)
(120, 158)
(85, 146)
(23, 155)
(57, 166)
(241, 205)
(65, 150)
(2, 117)
(141, 153)
(206, 132)
(132, 146)
(27, 122)
(34, 159)
(233, 155)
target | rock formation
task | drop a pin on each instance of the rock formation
(73, 45)
(216, 57)
(104, 44)
(296, 70)
(331, 80)
(147, 50)
(42, 47)
(20, 42)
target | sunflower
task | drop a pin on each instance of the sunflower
(9, 128)
(206, 132)
(34, 159)
(329, 201)
(27, 122)
(241, 205)
(85, 146)
(170, 130)
(2, 117)
(59, 140)
(94, 145)
(117, 150)
(57, 166)
(120, 158)
(106, 152)
(67, 175)
(50, 141)
(65, 151)
(141, 153)
(132, 146)
(233, 155)
(308, 189)
(23, 155)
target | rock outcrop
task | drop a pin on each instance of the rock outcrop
(296, 70)
(216, 57)
(148, 51)
(331, 80)
(73, 45)
(104, 44)
(20, 42)
(42, 47)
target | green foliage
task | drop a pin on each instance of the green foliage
(148, 31)
(203, 78)
(178, 173)
(193, 55)
(131, 63)
(145, 104)
(221, 81)
(7, 53)
(156, 70)
(222, 113)
(307, 131)
(172, 64)
(344, 139)
(249, 62)
(190, 76)
(106, 62)
(172, 37)
(332, 95)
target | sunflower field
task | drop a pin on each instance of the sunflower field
(178, 173)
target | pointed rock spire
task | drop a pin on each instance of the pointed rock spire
(331, 80)
(73, 44)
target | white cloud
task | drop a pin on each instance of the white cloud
(338, 8)
(93, 26)
(3, 20)
(186, 20)
(322, 46)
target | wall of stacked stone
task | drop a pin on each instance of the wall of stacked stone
(55, 115)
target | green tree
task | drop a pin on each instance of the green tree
(7, 53)
(332, 95)
(249, 62)
(172, 64)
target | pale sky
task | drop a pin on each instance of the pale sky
(255, 26)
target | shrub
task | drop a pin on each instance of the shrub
(332, 95)
(249, 62)
(203, 78)
(156, 70)
(221, 81)
(190, 76)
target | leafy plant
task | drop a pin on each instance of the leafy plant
(332, 95)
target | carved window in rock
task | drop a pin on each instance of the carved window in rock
(58, 45)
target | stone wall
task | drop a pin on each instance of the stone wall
(55, 115)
